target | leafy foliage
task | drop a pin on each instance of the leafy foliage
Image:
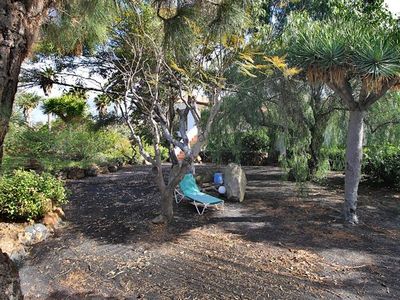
(327, 54)
(382, 165)
(28, 196)
(27, 102)
(84, 25)
(69, 107)
(247, 148)
(335, 157)
(62, 147)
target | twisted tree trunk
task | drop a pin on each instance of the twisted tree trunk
(353, 164)
(20, 22)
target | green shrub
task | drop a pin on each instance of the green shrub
(297, 166)
(28, 196)
(335, 157)
(246, 147)
(382, 164)
(66, 146)
(69, 107)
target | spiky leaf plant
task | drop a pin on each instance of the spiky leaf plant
(359, 59)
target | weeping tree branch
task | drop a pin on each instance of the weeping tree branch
(381, 125)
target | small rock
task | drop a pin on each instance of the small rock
(160, 219)
(34, 234)
(51, 220)
(104, 170)
(25, 238)
(75, 173)
(92, 171)
(59, 212)
(17, 256)
(113, 168)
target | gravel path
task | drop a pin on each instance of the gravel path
(283, 242)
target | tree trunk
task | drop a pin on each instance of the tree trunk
(353, 164)
(49, 121)
(317, 140)
(167, 209)
(19, 25)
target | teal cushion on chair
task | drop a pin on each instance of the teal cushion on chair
(204, 198)
(191, 191)
(188, 185)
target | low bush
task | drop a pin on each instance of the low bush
(247, 148)
(382, 165)
(66, 146)
(28, 196)
(335, 157)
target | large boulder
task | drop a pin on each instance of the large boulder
(10, 287)
(235, 182)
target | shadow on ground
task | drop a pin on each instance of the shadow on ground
(284, 241)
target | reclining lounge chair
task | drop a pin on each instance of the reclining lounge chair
(188, 189)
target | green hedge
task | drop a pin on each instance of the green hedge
(246, 148)
(65, 146)
(335, 157)
(382, 164)
(28, 196)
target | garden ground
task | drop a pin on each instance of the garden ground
(282, 242)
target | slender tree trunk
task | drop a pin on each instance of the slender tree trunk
(317, 140)
(49, 121)
(167, 209)
(353, 164)
(315, 148)
(167, 191)
(166, 203)
(19, 25)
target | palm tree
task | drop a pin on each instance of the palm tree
(358, 58)
(47, 76)
(27, 102)
(102, 102)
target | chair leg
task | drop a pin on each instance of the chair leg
(178, 196)
(198, 210)
(204, 208)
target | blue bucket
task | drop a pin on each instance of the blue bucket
(218, 180)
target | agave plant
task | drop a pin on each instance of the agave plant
(360, 64)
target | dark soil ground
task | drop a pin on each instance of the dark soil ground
(283, 242)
